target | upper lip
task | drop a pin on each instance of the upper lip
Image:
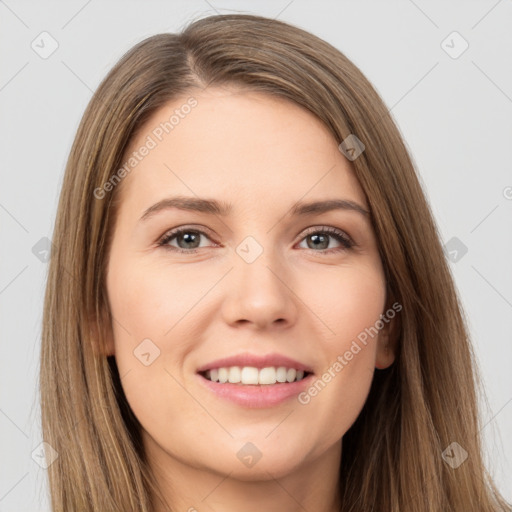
(255, 361)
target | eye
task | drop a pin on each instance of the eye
(319, 238)
(188, 240)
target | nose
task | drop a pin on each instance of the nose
(259, 294)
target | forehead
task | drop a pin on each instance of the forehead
(245, 147)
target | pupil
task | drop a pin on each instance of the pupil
(188, 236)
(316, 237)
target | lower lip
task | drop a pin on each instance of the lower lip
(257, 396)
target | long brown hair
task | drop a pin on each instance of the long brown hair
(392, 455)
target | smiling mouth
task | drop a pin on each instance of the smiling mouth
(252, 376)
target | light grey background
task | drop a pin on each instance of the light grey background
(455, 114)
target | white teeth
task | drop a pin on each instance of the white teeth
(223, 375)
(281, 374)
(291, 374)
(267, 376)
(235, 375)
(251, 375)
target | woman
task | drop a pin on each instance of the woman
(249, 307)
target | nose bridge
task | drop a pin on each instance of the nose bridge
(258, 291)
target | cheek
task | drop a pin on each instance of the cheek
(150, 300)
(147, 307)
(336, 397)
(153, 308)
(347, 301)
(352, 301)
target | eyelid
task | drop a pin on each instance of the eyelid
(327, 229)
(192, 227)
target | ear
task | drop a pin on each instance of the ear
(387, 341)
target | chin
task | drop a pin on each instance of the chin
(250, 461)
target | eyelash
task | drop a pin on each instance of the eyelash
(345, 241)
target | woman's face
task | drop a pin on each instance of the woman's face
(261, 280)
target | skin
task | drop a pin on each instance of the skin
(302, 300)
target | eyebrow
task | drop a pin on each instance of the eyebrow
(213, 207)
